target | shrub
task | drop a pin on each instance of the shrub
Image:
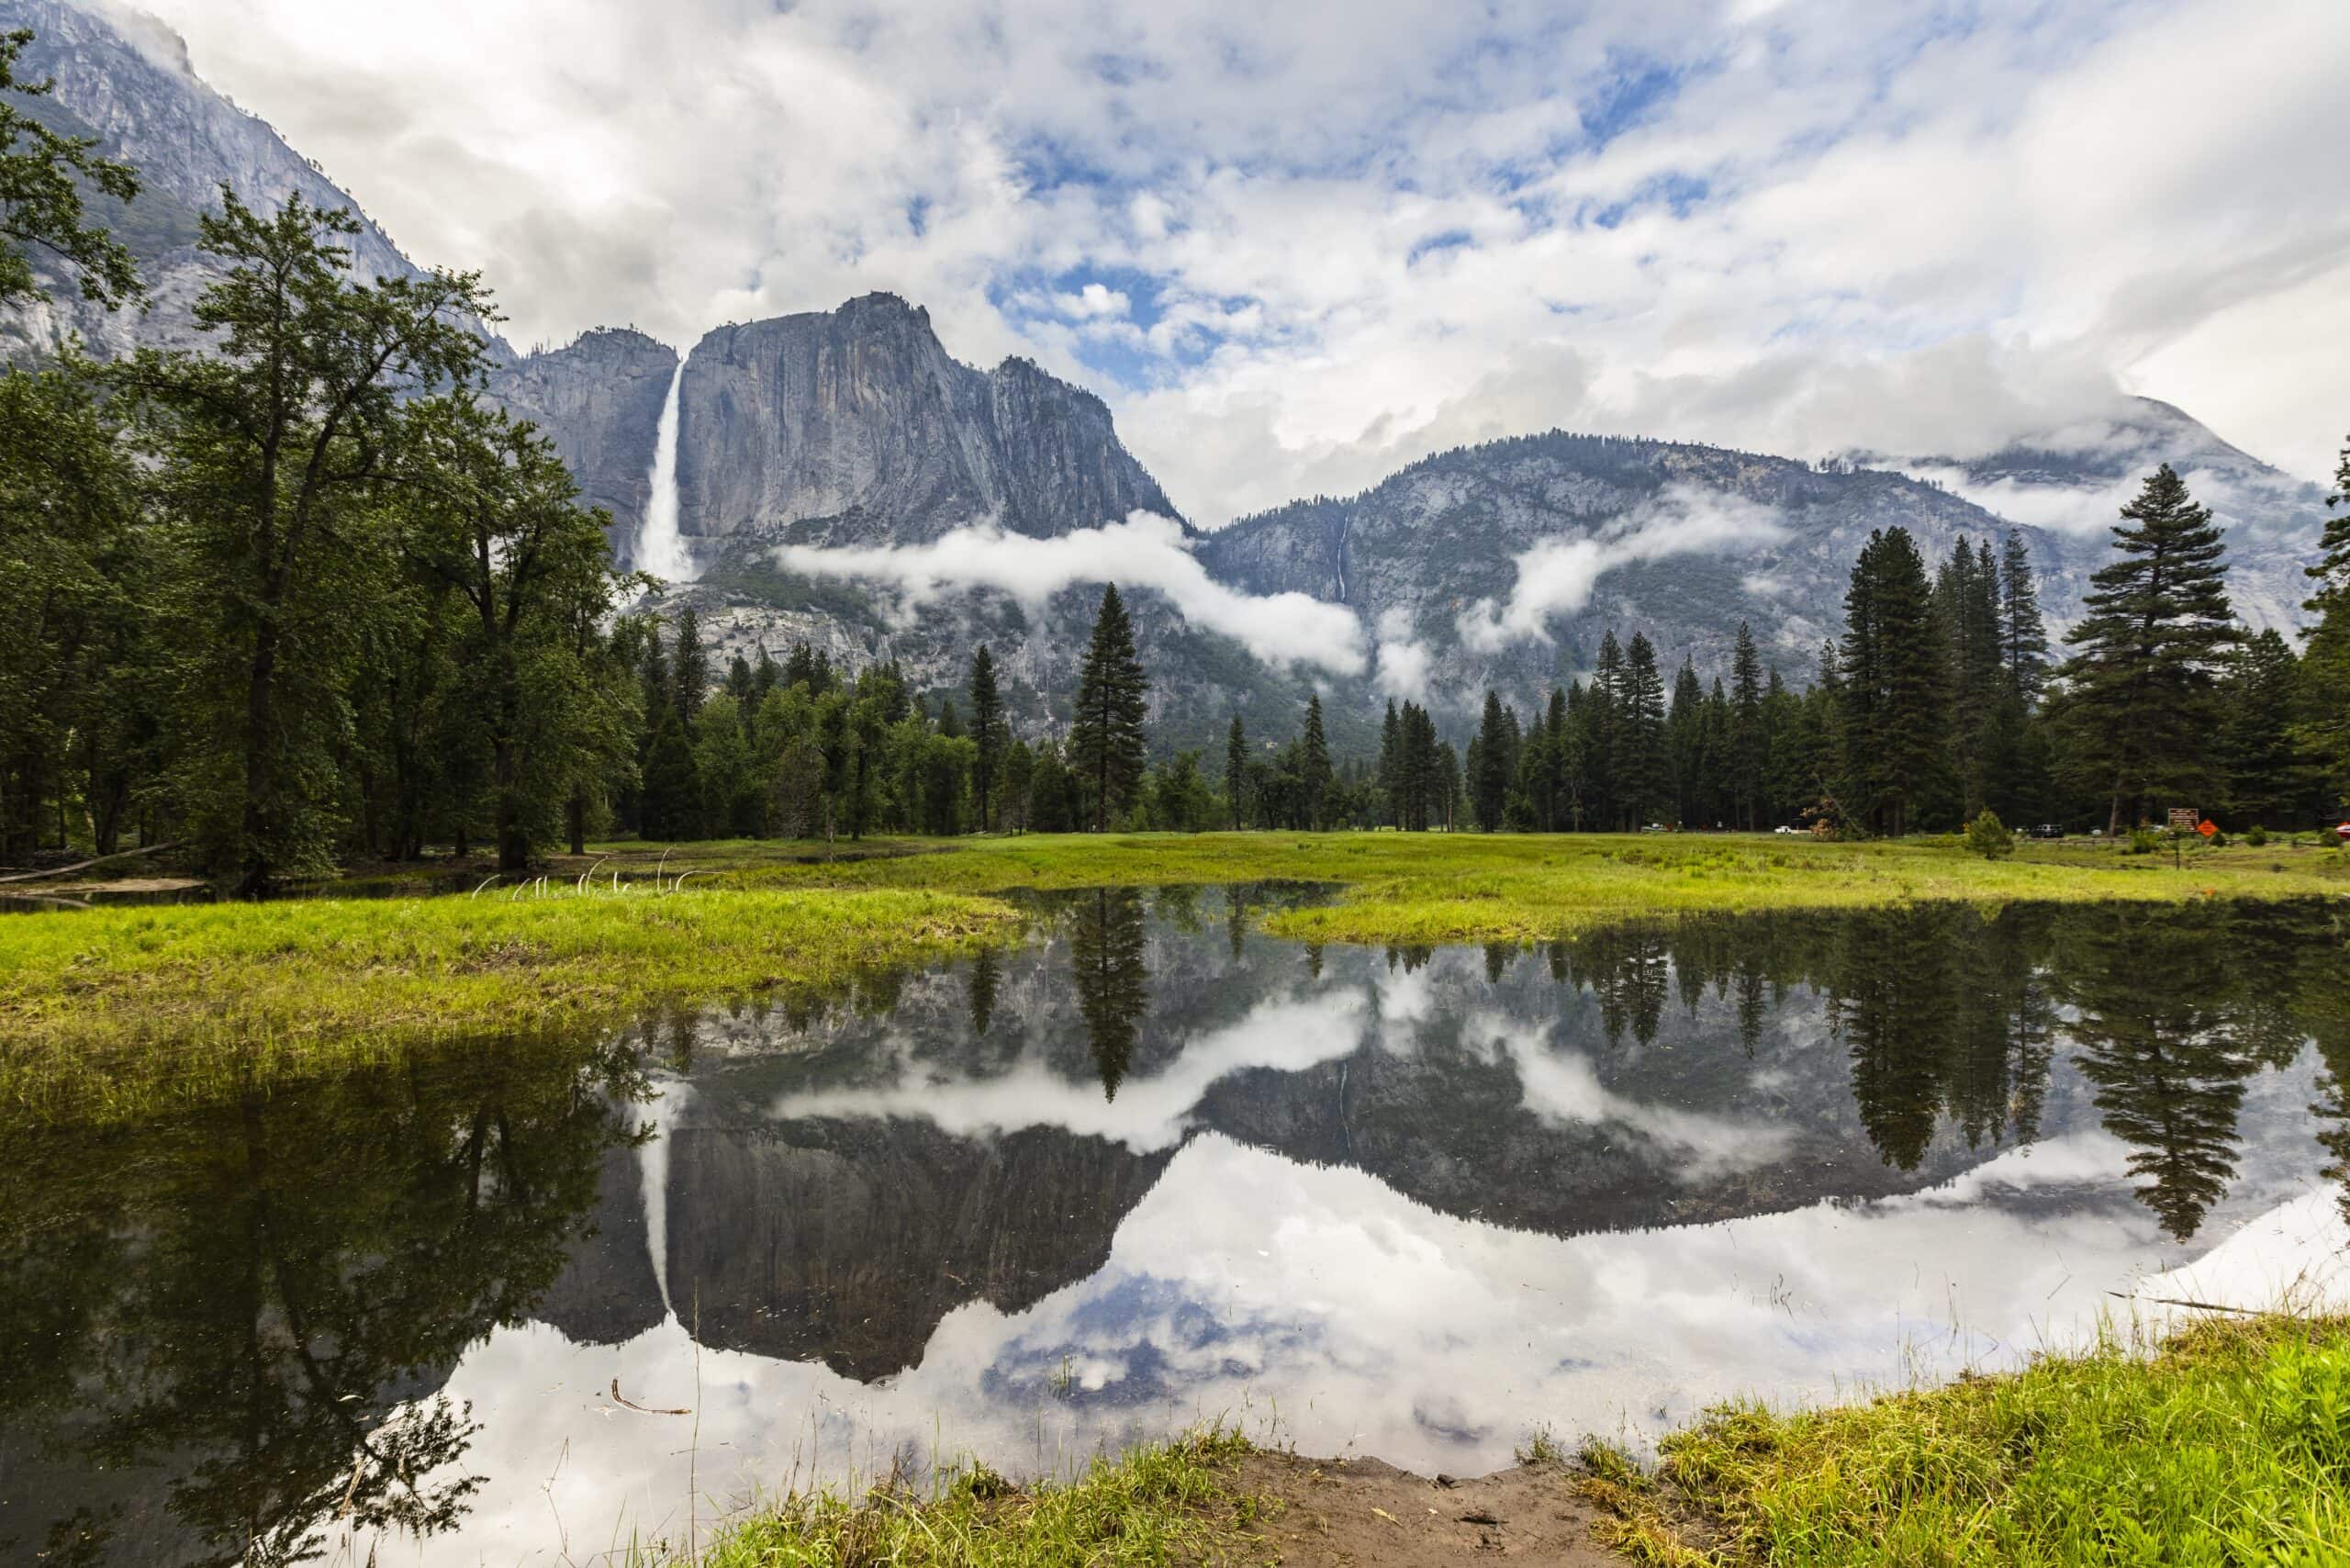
(2255, 836)
(1988, 837)
(2144, 841)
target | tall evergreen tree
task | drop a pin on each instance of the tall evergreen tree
(987, 735)
(1391, 765)
(688, 667)
(2156, 624)
(1105, 740)
(1236, 768)
(1314, 762)
(2023, 635)
(1750, 736)
(2267, 781)
(1489, 759)
(1641, 771)
(1684, 741)
(2324, 728)
(1894, 711)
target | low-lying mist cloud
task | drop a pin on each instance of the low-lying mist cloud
(1556, 578)
(1145, 550)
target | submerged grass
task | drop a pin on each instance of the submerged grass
(1176, 1502)
(2230, 1445)
(113, 1011)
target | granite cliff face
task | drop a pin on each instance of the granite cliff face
(125, 78)
(856, 426)
(1424, 550)
(599, 400)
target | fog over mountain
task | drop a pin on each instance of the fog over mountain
(843, 479)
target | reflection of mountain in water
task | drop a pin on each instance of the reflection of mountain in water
(843, 1184)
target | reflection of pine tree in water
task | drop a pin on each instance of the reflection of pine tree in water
(1890, 1005)
(2157, 1036)
(1113, 986)
(987, 972)
(258, 1293)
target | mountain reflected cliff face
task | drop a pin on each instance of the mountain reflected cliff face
(840, 1183)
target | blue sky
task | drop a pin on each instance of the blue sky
(1298, 246)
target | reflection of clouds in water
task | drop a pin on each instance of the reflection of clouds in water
(1148, 1114)
(1563, 1088)
(1245, 1283)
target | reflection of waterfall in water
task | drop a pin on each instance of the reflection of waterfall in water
(659, 550)
(652, 1169)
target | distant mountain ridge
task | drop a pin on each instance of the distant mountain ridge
(126, 78)
(856, 427)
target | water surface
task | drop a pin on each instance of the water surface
(1147, 1168)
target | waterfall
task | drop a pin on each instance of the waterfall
(653, 1171)
(659, 550)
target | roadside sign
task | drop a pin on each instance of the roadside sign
(2183, 819)
(2207, 827)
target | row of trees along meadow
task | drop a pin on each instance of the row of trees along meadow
(1941, 700)
(301, 596)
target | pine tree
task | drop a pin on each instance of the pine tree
(1236, 768)
(1684, 732)
(1893, 706)
(2325, 729)
(2265, 778)
(1314, 762)
(1750, 739)
(1105, 740)
(1604, 707)
(2023, 635)
(689, 667)
(987, 735)
(2139, 692)
(1391, 765)
(1489, 765)
(1641, 771)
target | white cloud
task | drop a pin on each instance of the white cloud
(1348, 235)
(1556, 576)
(1145, 550)
(1404, 662)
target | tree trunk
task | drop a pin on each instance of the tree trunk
(252, 854)
(576, 820)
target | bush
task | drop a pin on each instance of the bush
(1988, 837)
(2255, 836)
(2144, 841)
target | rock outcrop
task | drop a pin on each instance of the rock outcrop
(856, 426)
(599, 400)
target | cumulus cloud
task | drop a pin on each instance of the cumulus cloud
(1348, 235)
(1556, 576)
(1145, 550)
(1404, 662)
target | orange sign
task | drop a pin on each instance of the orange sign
(2207, 827)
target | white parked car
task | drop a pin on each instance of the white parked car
(1783, 828)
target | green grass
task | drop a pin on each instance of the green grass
(2232, 1445)
(113, 1011)
(1431, 888)
(1168, 1502)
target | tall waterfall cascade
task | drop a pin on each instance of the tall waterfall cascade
(659, 550)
